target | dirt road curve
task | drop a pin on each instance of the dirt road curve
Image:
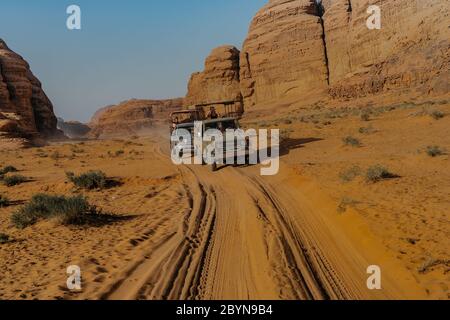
(249, 237)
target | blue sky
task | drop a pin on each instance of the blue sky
(126, 49)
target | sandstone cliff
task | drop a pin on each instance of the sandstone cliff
(409, 56)
(26, 113)
(283, 53)
(131, 117)
(73, 129)
(301, 51)
(220, 79)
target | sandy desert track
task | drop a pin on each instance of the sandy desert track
(248, 237)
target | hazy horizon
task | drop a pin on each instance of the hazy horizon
(125, 50)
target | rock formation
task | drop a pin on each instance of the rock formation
(73, 129)
(283, 53)
(26, 113)
(409, 55)
(309, 50)
(131, 117)
(220, 79)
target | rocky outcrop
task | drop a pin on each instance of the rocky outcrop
(131, 117)
(26, 113)
(309, 50)
(409, 55)
(73, 129)
(284, 53)
(220, 79)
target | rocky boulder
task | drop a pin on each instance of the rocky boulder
(219, 81)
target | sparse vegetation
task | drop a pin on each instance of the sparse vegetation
(56, 155)
(4, 238)
(66, 210)
(76, 149)
(366, 130)
(350, 174)
(351, 141)
(7, 169)
(345, 203)
(378, 173)
(4, 201)
(285, 135)
(437, 115)
(365, 115)
(14, 180)
(89, 180)
(434, 151)
(428, 264)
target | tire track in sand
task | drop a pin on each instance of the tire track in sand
(241, 239)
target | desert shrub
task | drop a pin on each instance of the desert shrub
(285, 136)
(14, 180)
(119, 153)
(67, 210)
(4, 238)
(365, 116)
(7, 169)
(76, 149)
(436, 114)
(89, 180)
(429, 263)
(55, 155)
(351, 141)
(366, 130)
(350, 174)
(434, 151)
(345, 203)
(377, 173)
(4, 201)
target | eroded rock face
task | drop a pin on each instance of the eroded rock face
(25, 110)
(73, 129)
(220, 79)
(284, 52)
(409, 56)
(131, 117)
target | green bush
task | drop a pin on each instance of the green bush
(89, 181)
(14, 180)
(434, 151)
(377, 173)
(4, 202)
(67, 210)
(351, 141)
